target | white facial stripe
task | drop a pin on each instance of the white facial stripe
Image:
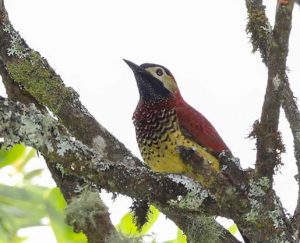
(153, 71)
(168, 82)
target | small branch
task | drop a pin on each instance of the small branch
(259, 28)
(289, 106)
(293, 116)
(269, 144)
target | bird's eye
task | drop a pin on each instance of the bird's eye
(159, 72)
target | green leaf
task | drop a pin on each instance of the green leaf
(16, 207)
(18, 239)
(29, 155)
(3, 234)
(28, 176)
(55, 205)
(128, 227)
(29, 194)
(13, 156)
(233, 229)
(181, 237)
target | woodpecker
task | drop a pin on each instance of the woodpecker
(164, 122)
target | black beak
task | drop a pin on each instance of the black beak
(135, 68)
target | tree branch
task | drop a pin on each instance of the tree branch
(259, 28)
(269, 146)
(289, 103)
(178, 193)
(293, 116)
(39, 130)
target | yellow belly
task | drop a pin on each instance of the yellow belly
(165, 157)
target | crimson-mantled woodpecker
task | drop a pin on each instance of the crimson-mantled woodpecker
(164, 121)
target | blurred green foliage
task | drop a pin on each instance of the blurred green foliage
(127, 224)
(181, 238)
(25, 203)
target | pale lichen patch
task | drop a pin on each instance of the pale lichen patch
(63, 147)
(60, 168)
(276, 214)
(209, 230)
(102, 166)
(99, 145)
(79, 189)
(17, 47)
(267, 27)
(276, 82)
(31, 125)
(33, 128)
(257, 190)
(189, 183)
(84, 209)
(128, 160)
(196, 194)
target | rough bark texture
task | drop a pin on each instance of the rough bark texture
(97, 158)
(269, 146)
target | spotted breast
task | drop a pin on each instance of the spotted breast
(159, 137)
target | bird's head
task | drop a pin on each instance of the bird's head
(154, 81)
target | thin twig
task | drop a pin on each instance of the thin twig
(293, 116)
(259, 28)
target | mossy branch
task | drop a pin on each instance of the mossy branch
(268, 138)
(273, 46)
(259, 28)
(19, 123)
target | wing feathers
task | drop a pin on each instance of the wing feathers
(195, 126)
